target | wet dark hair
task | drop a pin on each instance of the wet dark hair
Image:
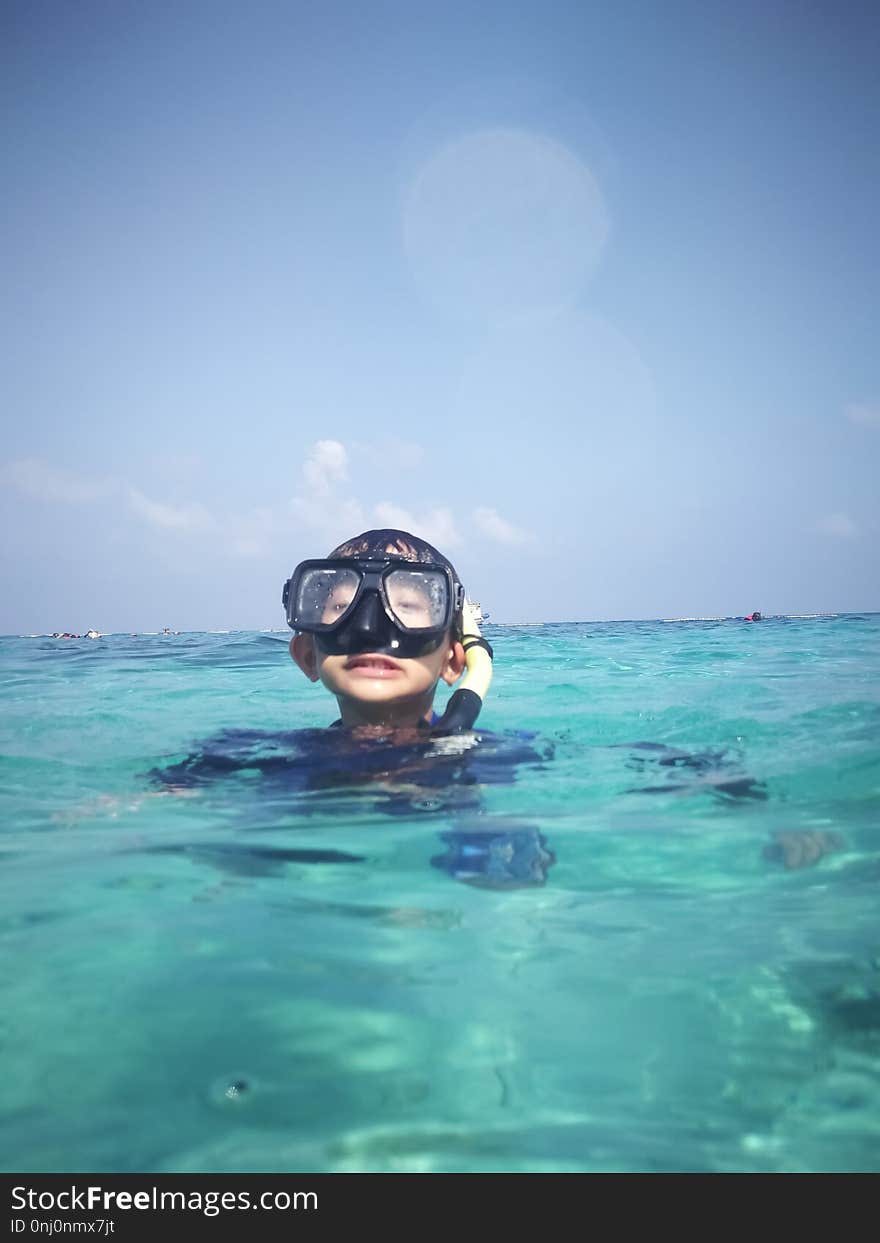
(389, 542)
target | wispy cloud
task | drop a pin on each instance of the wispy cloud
(330, 523)
(334, 513)
(490, 523)
(322, 514)
(44, 482)
(326, 465)
(437, 526)
(331, 513)
(191, 517)
(322, 509)
(864, 414)
(839, 525)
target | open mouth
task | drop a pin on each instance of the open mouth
(372, 664)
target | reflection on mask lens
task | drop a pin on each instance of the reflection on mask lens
(325, 596)
(417, 598)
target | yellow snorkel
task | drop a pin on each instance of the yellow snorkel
(465, 702)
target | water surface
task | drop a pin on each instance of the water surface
(274, 967)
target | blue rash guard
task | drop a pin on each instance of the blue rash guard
(311, 771)
(434, 777)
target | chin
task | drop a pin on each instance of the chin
(380, 695)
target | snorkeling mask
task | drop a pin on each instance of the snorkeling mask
(392, 606)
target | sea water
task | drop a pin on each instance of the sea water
(232, 976)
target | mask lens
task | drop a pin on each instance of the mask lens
(325, 596)
(418, 598)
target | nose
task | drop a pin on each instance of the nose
(369, 628)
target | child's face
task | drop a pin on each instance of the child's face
(370, 686)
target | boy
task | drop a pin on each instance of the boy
(379, 624)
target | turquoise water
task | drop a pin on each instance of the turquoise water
(240, 976)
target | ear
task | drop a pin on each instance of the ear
(455, 663)
(302, 651)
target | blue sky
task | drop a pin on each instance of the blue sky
(587, 294)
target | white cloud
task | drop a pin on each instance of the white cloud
(39, 479)
(191, 517)
(326, 466)
(320, 518)
(490, 523)
(330, 519)
(326, 514)
(245, 535)
(840, 525)
(332, 514)
(437, 526)
(864, 414)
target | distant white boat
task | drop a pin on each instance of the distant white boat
(479, 615)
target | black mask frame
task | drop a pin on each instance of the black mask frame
(369, 622)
